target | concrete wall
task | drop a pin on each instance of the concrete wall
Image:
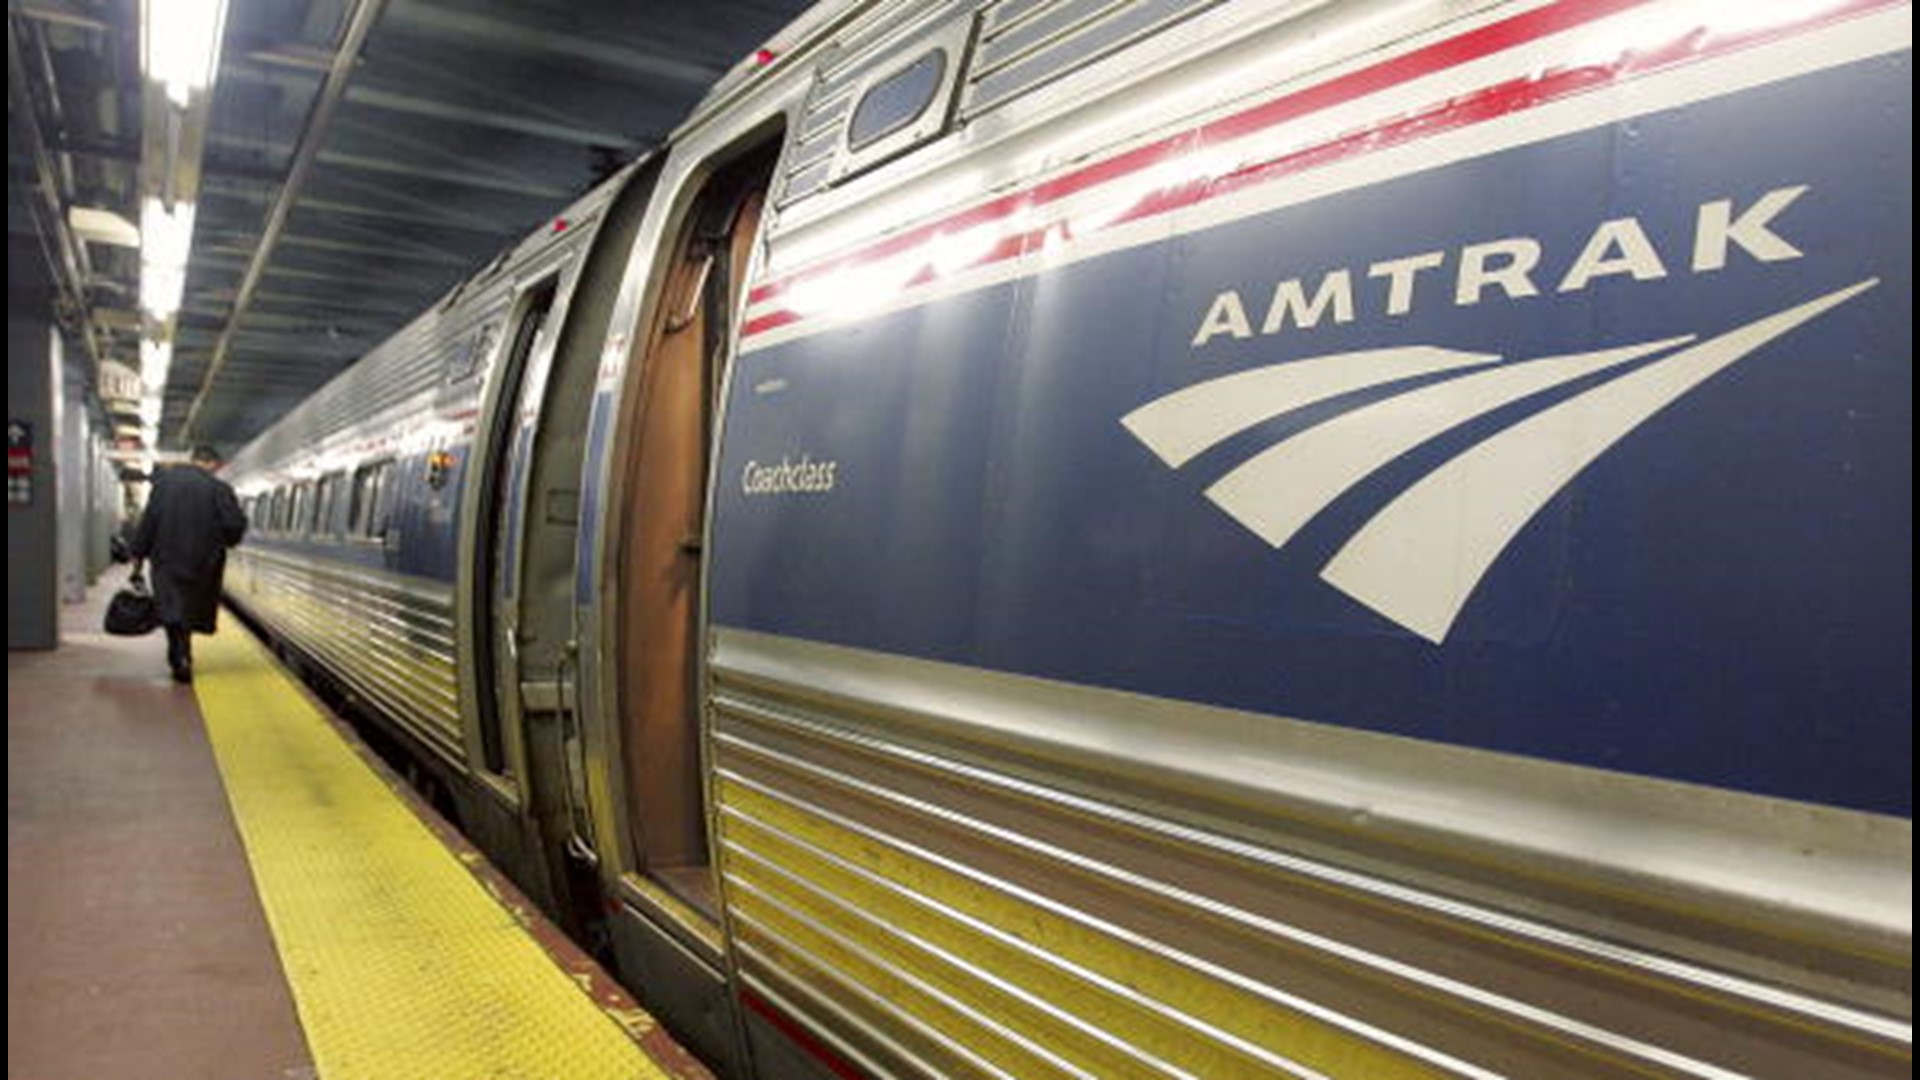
(73, 472)
(103, 499)
(33, 375)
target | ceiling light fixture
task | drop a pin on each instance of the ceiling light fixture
(166, 238)
(180, 44)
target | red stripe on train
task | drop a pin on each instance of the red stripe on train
(801, 1037)
(1486, 104)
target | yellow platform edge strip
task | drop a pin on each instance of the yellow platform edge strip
(402, 966)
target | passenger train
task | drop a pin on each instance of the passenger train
(1137, 538)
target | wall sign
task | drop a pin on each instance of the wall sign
(19, 463)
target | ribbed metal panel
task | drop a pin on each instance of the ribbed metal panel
(1026, 44)
(424, 365)
(864, 47)
(810, 158)
(961, 916)
(407, 373)
(389, 638)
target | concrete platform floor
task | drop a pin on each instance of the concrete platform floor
(136, 945)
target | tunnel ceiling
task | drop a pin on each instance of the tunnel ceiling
(450, 130)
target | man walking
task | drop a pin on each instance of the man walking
(192, 518)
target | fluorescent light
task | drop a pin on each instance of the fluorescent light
(161, 289)
(165, 237)
(155, 358)
(165, 240)
(180, 44)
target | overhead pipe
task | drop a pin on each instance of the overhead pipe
(332, 92)
(67, 259)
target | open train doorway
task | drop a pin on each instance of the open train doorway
(681, 372)
(525, 532)
(519, 386)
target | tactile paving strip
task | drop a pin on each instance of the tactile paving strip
(402, 966)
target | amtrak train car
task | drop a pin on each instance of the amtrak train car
(1137, 538)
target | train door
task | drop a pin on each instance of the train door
(661, 554)
(536, 570)
(526, 535)
(502, 475)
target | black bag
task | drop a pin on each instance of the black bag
(132, 611)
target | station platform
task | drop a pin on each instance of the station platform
(217, 880)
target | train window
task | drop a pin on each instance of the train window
(370, 509)
(277, 509)
(302, 518)
(904, 104)
(327, 503)
(896, 101)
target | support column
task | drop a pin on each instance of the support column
(33, 548)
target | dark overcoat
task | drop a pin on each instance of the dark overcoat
(192, 518)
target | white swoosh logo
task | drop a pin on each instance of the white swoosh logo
(1420, 558)
(1182, 424)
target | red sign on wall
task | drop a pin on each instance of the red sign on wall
(19, 463)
